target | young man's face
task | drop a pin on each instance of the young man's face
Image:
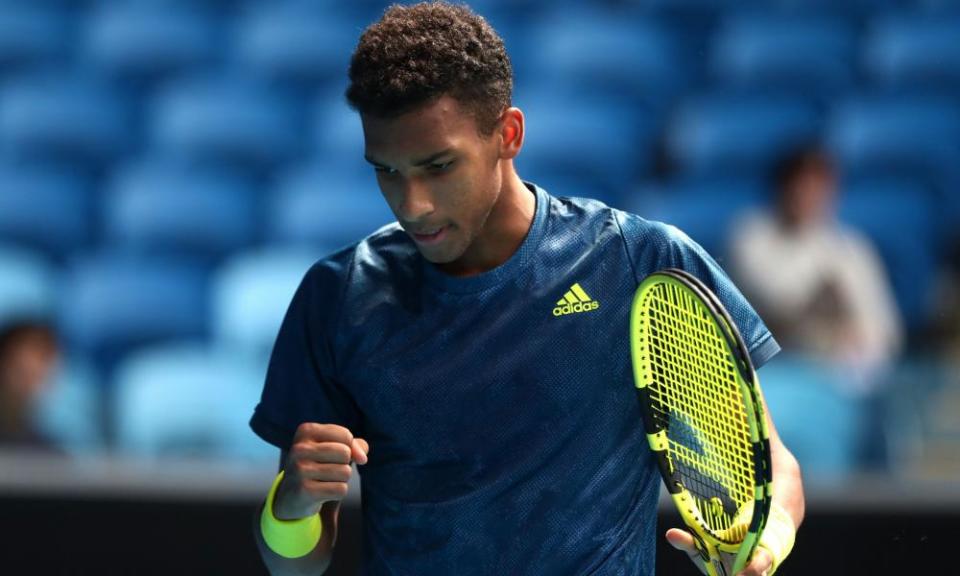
(440, 177)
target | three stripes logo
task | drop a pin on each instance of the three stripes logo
(574, 301)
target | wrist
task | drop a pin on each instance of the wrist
(778, 536)
(288, 538)
(289, 504)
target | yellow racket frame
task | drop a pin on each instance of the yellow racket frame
(693, 374)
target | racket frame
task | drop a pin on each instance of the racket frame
(708, 546)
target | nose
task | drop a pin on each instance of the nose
(416, 202)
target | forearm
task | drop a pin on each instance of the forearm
(314, 563)
(788, 483)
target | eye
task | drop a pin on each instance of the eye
(441, 166)
(384, 170)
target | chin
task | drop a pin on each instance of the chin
(439, 257)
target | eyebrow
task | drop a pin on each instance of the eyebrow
(428, 160)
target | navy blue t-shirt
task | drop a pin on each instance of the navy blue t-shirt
(505, 435)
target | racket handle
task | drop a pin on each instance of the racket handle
(711, 562)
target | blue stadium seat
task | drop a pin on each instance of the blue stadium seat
(597, 52)
(225, 121)
(689, 8)
(30, 35)
(47, 209)
(739, 132)
(163, 208)
(814, 56)
(854, 9)
(914, 53)
(801, 392)
(144, 40)
(912, 136)
(302, 42)
(188, 400)
(28, 286)
(251, 293)
(69, 410)
(325, 205)
(900, 217)
(338, 133)
(117, 302)
(57, 118)
(607, 140)
(938, 7)
(704, 208)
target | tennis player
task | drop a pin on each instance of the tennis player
(473, 357)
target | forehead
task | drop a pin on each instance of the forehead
(438, 125)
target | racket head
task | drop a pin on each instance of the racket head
(702, 413)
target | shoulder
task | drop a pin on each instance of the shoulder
(658, 241)
(593, 218)
(380, 254)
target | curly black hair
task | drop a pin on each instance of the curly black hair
(415, 54)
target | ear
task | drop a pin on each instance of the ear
(511, 132)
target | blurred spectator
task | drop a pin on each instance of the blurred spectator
(28, 355)
(820, 286)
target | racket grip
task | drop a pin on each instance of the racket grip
(711, 562)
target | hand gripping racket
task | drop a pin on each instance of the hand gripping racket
(702, 414)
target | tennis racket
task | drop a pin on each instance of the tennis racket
(702, 414)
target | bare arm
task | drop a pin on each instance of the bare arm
(787, 480)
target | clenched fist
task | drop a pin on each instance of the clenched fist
(317, 469)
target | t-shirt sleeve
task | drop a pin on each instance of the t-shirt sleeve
(654, 246)
(301, 383)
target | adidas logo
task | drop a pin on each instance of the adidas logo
(575, 300)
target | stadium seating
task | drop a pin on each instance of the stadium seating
(158, 208)
(69, 410)
(227, 121)
(739, 133)
(596, 52)
(324, 205)
(189, 400)
(589, 138)
(297, 42)
(147, 41)
(251, 293)
(338, 133)
(914, 137)
(147, 145)
(50, 210)
(117, 302)
(29, 284)
(912, 132)
(704, 208)
(31, 36)
(915, 52)
(63, 119)
(813, 56)
(800, 392)
(900, 218)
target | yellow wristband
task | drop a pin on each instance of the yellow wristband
(778, 536)
(288, 538)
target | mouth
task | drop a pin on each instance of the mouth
(429, 236)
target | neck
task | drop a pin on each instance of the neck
(505, 229)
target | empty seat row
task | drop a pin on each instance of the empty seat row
(162, 207)
(106, 305)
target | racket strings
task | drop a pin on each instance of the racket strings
(701, 407)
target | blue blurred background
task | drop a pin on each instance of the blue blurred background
(170, 169)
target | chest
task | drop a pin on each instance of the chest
(454, 370)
